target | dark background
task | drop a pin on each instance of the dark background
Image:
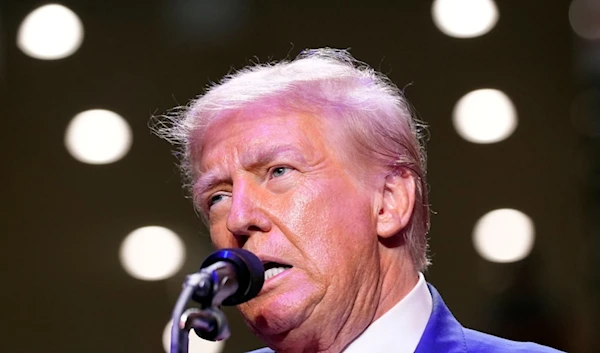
(63, 288)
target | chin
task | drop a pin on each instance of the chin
(280, 337)
(274, 317)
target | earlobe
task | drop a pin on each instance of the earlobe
(397, 203)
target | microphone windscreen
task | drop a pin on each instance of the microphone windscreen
(250, 273)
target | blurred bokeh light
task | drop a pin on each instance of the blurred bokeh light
(152, 253)
(485, 116)
(464, 18)
(98, 136)
(584, 16)
(504, 235)
(50, 32)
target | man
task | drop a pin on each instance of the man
(315, 165)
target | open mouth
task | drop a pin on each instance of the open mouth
(272, 269)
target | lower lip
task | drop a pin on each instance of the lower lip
(273, 281)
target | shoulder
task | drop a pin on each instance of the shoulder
(476, 341)
(445, 334)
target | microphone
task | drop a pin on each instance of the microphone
(228, 277)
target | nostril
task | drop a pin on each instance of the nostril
(242, 235)
(241, 239)
(254, 229)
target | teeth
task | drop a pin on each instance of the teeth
(273, 272)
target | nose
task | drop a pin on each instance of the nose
(246, 216)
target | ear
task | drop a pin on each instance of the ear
(398, 200)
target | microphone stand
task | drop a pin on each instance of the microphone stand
(209, 322)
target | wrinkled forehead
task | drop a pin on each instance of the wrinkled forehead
(273, 120)
(249, 133)
(203, 121)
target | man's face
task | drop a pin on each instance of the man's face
(280, 187)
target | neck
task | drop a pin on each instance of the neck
(399, 278)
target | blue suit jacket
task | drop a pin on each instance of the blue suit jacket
(444, 334)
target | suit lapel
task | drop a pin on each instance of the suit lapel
(443, 332)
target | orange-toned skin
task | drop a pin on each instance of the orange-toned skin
(281, 187)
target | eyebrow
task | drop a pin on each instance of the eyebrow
(251, 160)
(207, 181)
(255, 157)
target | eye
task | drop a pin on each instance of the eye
(214, 199)
(279, 171)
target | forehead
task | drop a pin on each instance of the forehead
(247, 134)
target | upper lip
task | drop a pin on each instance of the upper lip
(264, 258)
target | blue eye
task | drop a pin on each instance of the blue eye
(279, 171)
(214, 199)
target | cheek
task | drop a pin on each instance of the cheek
(220, 236)
(327, 217)
(217, 226)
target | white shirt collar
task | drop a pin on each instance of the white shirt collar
(399, 329)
